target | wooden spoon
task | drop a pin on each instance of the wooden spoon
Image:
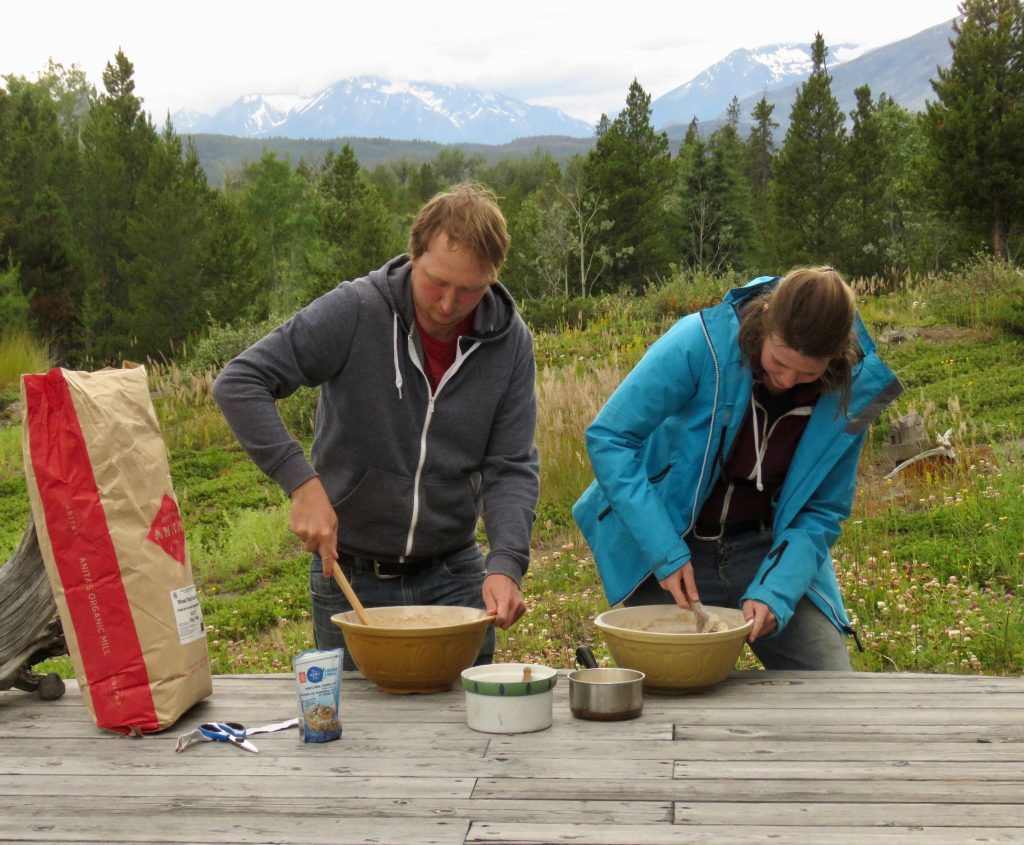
(707, 622)
(702, 616)
(350, 594)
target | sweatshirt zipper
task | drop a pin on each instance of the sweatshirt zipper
(414, 355)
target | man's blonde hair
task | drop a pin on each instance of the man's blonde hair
(469, 215)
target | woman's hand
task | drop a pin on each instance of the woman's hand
(764, 620)
(681, 585)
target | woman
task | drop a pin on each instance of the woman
(726, 461)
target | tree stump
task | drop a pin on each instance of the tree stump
(30, 629)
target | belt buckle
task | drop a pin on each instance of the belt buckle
(380, 575)
(718, 536)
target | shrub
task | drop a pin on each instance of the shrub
(553, 313)
(19, 353)
(686, 291)
(985, 294)
(220, 343)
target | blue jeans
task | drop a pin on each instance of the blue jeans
(457, 580)
(723, 569)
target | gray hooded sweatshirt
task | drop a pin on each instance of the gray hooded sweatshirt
(407, 472)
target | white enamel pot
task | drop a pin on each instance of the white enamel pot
(509, 698)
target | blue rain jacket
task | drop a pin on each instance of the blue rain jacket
(656, 444)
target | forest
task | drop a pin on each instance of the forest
(113, 245)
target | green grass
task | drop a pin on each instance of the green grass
(20, 353)
(931, 562)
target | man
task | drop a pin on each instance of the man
(426, 419)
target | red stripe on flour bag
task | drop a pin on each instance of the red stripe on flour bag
(86, 559)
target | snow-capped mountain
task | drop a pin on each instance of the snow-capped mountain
(368, 106)
(740, 74)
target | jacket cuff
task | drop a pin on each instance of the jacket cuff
(293, 473)
(663, 570)
(499, 564)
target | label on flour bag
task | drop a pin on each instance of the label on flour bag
(188, 614)
(318, 680)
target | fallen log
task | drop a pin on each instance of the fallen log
(30, 629)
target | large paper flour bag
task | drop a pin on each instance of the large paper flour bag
(112, 541)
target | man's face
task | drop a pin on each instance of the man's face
(447, 283)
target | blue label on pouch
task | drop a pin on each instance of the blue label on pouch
(318, 678)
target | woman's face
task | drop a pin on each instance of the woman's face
(785, 367)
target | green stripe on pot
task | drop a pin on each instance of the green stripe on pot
(475, 680)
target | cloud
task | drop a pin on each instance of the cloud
(578, 56)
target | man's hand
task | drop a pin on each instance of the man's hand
(681, 585)
(315, 522)
(503, 599)
(764, 620)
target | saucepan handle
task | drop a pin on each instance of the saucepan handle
(585, 657)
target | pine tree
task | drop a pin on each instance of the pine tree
(867, 166)
(630, 168)
(714, 201)
(976, 126)
(760, 158)
(808, 174)
(761, 150)
(39, 176)
(118, 140)
(356, 232)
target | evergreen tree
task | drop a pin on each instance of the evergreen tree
(809, 178)
(867, 167)
(168, 292)
(118, 141)
(761, 150)
(357, 233)
(760, 159)
(38, 179)
(976, 126)
(714, 202)
(280, 208)
(630, 168)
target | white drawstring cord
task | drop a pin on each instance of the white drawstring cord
(398, 369)
(758, 456)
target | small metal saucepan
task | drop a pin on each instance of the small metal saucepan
(601, 694)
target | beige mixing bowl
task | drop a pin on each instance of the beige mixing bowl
(661, 640)
(418, 648)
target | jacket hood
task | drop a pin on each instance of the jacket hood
(494, 314)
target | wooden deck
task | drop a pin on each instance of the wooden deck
(777, 757)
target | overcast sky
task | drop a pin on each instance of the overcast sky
(576, 55)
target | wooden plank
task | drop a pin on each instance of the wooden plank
(313, 822)
(769, 751)
(489, 833)
(806, 791)
(878, 770)
(886, 814)
(286, 751)
(802, 720)
(548, 812)
(284, 747)
(964, 734)
(222, 759)
(229, 788)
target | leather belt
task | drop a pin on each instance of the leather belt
(385, 569)
(717, 530)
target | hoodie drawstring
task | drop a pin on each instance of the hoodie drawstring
(398, 369)
(758, 454)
